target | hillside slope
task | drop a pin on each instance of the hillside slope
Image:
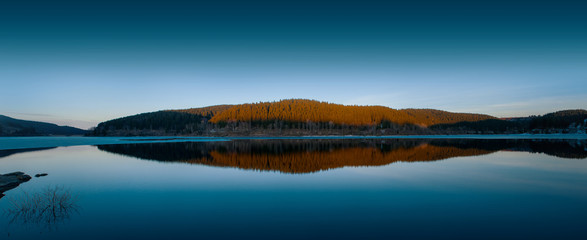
(301, 110)
(308, 117)
(16, 127)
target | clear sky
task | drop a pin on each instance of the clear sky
(83, 62)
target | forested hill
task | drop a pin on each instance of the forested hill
(206, 111)
(301, 110)
(16, 127)
(309, 117)
(561, 119)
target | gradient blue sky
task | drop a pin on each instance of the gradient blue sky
(83, 62)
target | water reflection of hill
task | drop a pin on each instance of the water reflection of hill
(304, 156)
(6, 153)
(560, 148)
(564, 148)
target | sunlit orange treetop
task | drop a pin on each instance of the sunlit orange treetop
(302, 110)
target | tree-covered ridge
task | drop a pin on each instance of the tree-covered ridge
(153, 123)
(302, 110)
(560, 119)
(205, 111)
(431, 117)
(297, 117)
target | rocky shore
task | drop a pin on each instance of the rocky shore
(12, 180)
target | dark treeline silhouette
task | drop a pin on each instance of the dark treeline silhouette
(206, 111)
(484, 126)
(560, 120)
(306, 156)
(307, 117)
(155, 123)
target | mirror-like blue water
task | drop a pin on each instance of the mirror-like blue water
(312, 188)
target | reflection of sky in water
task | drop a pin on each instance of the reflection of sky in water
(513, 193)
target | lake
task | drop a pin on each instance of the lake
(296, 188)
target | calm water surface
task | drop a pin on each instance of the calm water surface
(303, 189)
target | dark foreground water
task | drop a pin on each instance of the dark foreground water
(301, 189)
